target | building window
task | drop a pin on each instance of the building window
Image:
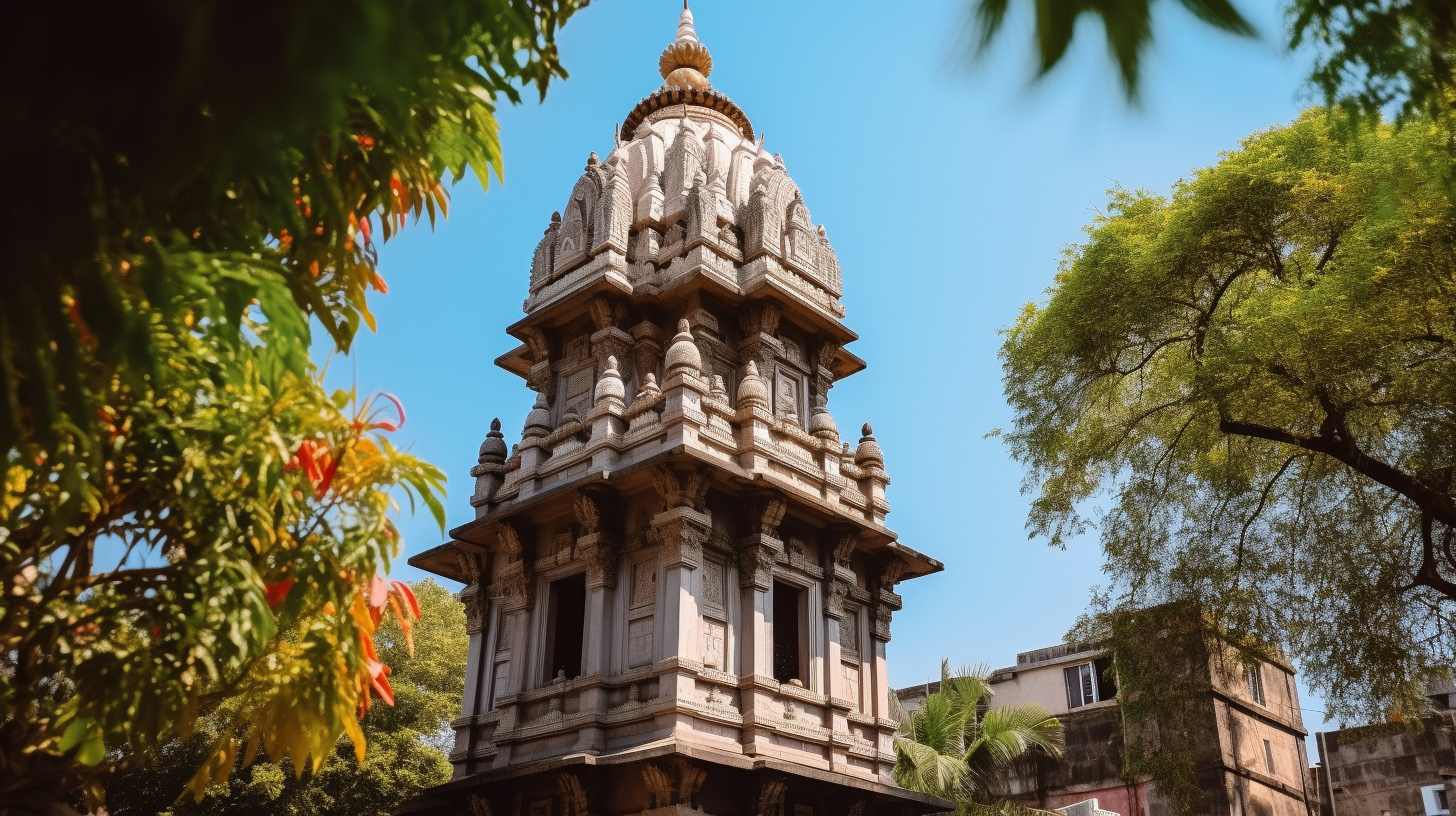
(565, 620)
(1435, 801)
(1088, 683)
(787, 632)
(1254, 679)
(1268, 757)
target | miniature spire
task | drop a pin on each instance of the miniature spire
(868, 454)
(685, 29)
(493, 449)
(610, 390)
(752, 390)
(650, 390)
(538, 421)
(683, 354)
(718, 390)
(685, 63)
(821, 423)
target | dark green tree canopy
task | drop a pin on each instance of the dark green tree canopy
(1372, 56)
(1255, 380)
(160, 149)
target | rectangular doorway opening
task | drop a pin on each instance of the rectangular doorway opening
(565, 621)
(787, 632)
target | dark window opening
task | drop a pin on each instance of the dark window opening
(1254, 679)
(1441, 800)
(1106, 678)
(786, 646)
(565, 619)
(1088, 683)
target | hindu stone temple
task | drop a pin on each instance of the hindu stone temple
(679, 582)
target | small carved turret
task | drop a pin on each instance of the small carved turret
(683, 356)
(868, 454)
(489, 471)
(821, 424)
(752, 390)
(610, 392)
(538, 421)
(718, 390)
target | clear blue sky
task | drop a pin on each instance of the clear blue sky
(949, 189)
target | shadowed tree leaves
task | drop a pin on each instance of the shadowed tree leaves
(190, 524)
(1372, 56)
(162, 151)
(1127, 25)
(1256, 380)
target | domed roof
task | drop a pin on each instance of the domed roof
(687, 169)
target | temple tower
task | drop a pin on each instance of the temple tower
(679, 583)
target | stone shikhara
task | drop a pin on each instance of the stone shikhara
(680, 580)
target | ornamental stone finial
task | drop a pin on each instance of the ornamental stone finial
(868, 454)
(683, 354)
(752, 390)
(821, 423)
(493, 449)
(650, 389)
(718, 390)
(685, 63)
(538, 421)
(610, 388)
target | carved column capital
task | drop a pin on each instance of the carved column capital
(834, 596)
(474, 603)
(880, 625)
(596, 545)
(513, 582)
(682, 487)
(757, 553)
(680, 533)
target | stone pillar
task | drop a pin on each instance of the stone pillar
(679, 533)
(838, 578)
(886, 603)
(595, 546)
(757, 552)
(513, 588)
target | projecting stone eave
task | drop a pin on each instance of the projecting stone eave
(477, 536)
(565, 307)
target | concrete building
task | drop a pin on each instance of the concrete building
(1394, 769)
(1251, 761)
(679, 581)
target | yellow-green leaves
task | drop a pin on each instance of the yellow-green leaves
(1249, 385)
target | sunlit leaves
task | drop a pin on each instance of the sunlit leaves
(1249, 387)
(957, 745)
(221, 558)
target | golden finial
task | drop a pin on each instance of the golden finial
(685, 63)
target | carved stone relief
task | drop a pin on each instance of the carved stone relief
(713, 643)
(639, 642)
(644, 583)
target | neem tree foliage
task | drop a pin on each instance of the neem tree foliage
(1255, 379)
